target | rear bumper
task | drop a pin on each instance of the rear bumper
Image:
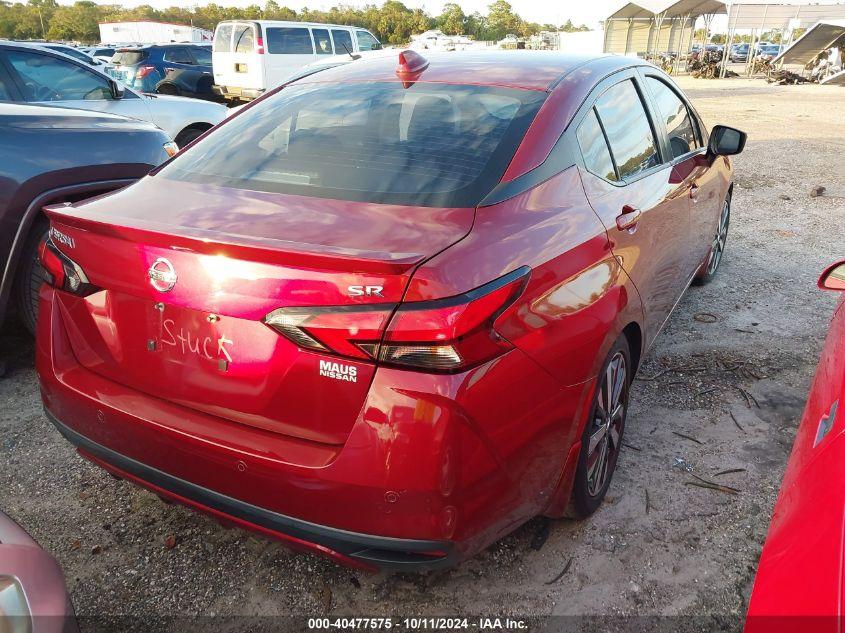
(237, 93)
(434, 469)
(355, 550)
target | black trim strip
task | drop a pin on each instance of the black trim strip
(381, 551)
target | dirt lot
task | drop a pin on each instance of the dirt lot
(658, 547)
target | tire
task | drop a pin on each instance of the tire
(711, 264)
(167, 89)
(30, 277)
(188, 135)
(600, 448)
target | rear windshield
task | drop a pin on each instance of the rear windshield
(128, 58)
(223, 38)
(425, 145)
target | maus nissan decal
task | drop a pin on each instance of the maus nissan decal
(338, 371)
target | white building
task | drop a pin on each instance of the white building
(150, 31)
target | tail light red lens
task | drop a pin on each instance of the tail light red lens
(259, 46)
(446, 335)
(64, 273)
(143, 71)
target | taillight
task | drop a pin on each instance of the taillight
(259, 45)
(63, 272)
(445, 335)
(143, 71)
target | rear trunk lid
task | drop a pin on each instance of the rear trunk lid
(233, 257)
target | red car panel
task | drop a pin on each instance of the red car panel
(799, 582)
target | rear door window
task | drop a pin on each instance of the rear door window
(366, 42)
(201, 55)
(223, 39)
(178, 56)
(243, 39)
(628, 130)
(46, 78)
(675, 115)
(289, 41)
(594, 148)
(322, 41)
(342, 39)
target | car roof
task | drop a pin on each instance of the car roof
(59, 112)
(293, 24)
(530, 70)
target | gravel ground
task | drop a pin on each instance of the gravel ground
(658, 547)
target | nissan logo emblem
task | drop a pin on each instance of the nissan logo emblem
(162, 275)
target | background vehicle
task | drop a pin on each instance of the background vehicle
(90, 153)
(805, 535)
(174, 69)
(76, 53)
(251, 57)
(33, 594)
(769, 52)
(363, 317)
(739, 52)
(35, 75)
(103, 53)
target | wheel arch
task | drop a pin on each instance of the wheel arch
(30, 219)
(633, 332)
(201, 126)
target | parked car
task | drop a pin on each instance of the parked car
(40, 76)
(739, 52)
(33, 594)
(768, 53)
(391, 311)
(251, 57)
(82, 154)
(805, 536)
(173, 69)
(76, 53)
(103, 53)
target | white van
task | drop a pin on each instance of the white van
(252, 56)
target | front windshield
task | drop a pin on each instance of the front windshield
(424, 145)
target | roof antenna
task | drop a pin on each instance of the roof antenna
(348, 52)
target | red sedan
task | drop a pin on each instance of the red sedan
(800, 584)
(391, 311)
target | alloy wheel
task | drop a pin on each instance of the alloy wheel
(608, 420)
(718, 247)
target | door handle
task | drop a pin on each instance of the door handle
(628, 219)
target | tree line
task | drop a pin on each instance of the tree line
(392, 23)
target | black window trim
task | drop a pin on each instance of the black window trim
(693, 115)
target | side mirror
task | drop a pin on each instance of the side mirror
(833, 278)
(726, 141)
(116, 89)
(377, 46)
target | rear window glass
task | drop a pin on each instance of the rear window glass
(177, 56)
(341, 39)
(426, 145)
(289, 41)
(223, 39)
(243, 39)
(128, 58)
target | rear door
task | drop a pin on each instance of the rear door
(633, 191)
(289, 48)
(176, 58)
